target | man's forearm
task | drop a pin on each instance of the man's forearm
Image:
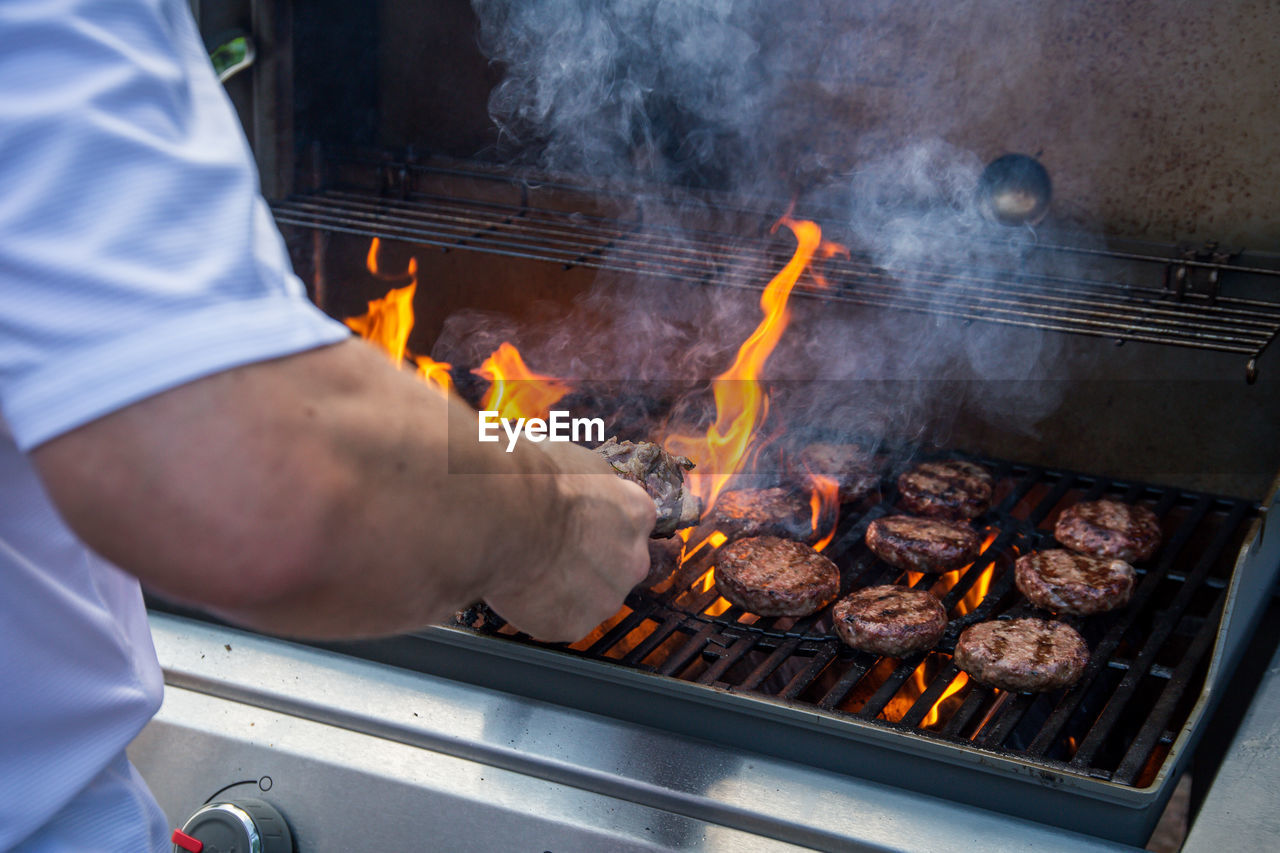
(311, 495)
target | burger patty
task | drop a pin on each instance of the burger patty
(1022, 654)
(763, 512)
(952, 489)
(776, 577)
(1109, 529)
(922, 544)
(1074, 583)
(890, 620)
(849, 465)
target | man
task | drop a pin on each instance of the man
(173, 406)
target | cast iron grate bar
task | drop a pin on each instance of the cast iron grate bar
(680, 658)
(961, 719)
(1140, 749)
(726, 659)
(624, 627)
(916, 713)
(806, 676)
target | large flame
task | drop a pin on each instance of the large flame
(389, 320)
(741, 402)
(516, 391)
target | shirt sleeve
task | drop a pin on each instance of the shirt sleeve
(136, 252)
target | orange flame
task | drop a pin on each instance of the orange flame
(435, 373)
(741, 403)
(705, 583)
(947, 581)
(953, 688)
(720, 605)
(517, 392)
(978, 591)
(913, 689)
(825, 503)
(713, 541)
(389, 320)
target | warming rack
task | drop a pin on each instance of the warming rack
(1126, 295)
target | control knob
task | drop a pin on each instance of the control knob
(239, 825)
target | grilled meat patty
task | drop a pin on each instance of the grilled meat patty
(890, 620)
(763, 512)
(1109, 529)
(775, 577)
(661, 474)
(1068, 582)
(922, 544)
(1022, 654)
(953, 489)
(852, 468)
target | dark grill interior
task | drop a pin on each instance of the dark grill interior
(1148, 659)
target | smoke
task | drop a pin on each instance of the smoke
(775, 103)
(652, 88)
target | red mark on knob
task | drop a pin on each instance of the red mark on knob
(186, 842)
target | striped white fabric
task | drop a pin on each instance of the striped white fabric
(135, 255)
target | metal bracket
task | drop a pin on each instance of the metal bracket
(1197, 270)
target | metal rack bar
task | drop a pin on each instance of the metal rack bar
(1018, 298)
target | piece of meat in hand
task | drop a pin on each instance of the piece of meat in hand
(661, 474)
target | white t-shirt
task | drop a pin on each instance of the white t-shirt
(135, 255)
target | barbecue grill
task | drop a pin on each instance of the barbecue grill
(683, 722)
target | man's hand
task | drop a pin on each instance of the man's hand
(601, 553)
(312, 496)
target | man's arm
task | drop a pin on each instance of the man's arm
(312, 496)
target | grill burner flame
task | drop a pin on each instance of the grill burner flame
(742, 403)
(516, 391)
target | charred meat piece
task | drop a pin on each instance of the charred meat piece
(923, 544)
(1074, 583)
(775, 577)
(1109, 529)
(1022, 654)
(890, 620)
(952, 489)
(661, 474)
(852, 468)
(763, 512)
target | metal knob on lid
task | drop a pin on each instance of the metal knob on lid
(1015, 190)
(241, 825)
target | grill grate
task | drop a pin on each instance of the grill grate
(1116, 723)
(1126, 296)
